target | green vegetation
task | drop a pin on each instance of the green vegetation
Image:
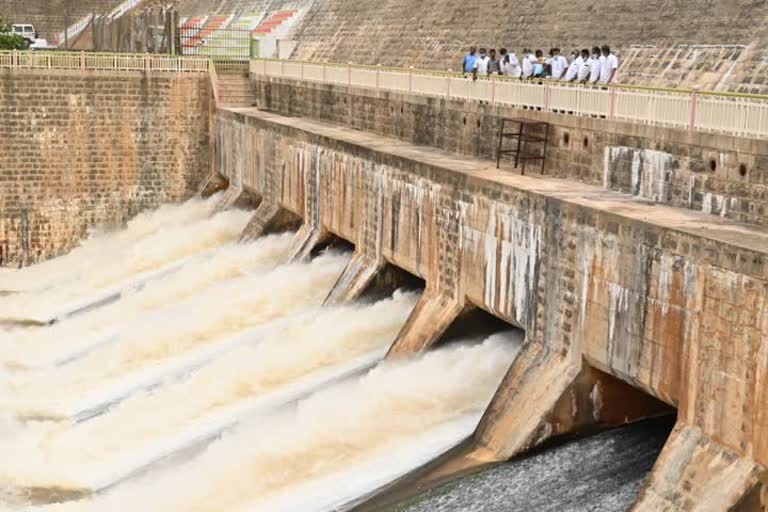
(9, 40)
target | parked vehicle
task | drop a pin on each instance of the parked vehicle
(25, 30)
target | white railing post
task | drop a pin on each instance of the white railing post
(410, 79)
(378, 72)
(302, 69)
(493, 90)
(15, 59)
(265, 68)
(349, 75)
(612, 103)
(282, 68)
(692, 109)
(547, 96)
(448, 84)
(82, 60)
(147, 62)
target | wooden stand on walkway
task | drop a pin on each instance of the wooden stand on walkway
(529, 132)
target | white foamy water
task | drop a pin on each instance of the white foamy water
(72, 266)
(321, 345)
(357, 435)
(73, 337)
(111, 264)
(172, 340)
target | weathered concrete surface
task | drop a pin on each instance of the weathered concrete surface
(671, 302)
(721, 175)
(79, 149)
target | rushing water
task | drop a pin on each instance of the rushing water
(171, 340)
(247, 379)
(108, 263)
(333, 446)
(602, 473)
(188, 372)
(30, 348)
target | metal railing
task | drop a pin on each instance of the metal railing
(123, 8)
(206, 38)
(73, 30)
(731, 113)
(102, 61)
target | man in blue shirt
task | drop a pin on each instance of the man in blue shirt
(468, 64)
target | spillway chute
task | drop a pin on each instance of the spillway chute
(64, 342)
(105, 278)
(343, 428)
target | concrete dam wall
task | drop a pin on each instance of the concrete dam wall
(614, 294)
(81, 150)
(636, 266)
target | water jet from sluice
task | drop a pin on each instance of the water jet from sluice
(325, 345)
(65, 341)
(171, 341)
(108, 264)
(341, 443)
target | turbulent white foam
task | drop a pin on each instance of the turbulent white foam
(362, 425)
(74, 337)
(78, 262)
(167, 339)
(318, 347)
(117, 266)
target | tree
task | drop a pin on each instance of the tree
(9, 40)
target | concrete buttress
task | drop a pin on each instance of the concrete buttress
(357, 275)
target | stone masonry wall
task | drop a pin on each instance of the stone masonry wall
(81, 149)
(716, 174)
(51, 16)
(679, 312)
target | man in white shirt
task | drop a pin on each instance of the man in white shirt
(558, 63)
(582, 75)
(609, 66)
(510, 66)
(594, 67)
(480, 67)
(528, 60)
(573, 68)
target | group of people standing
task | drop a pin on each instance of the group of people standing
(596, 67)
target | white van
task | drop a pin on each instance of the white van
(26, 31)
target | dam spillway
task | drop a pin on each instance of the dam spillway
(357, 305)
(222, 352)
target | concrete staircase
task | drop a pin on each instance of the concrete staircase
(235, 91)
